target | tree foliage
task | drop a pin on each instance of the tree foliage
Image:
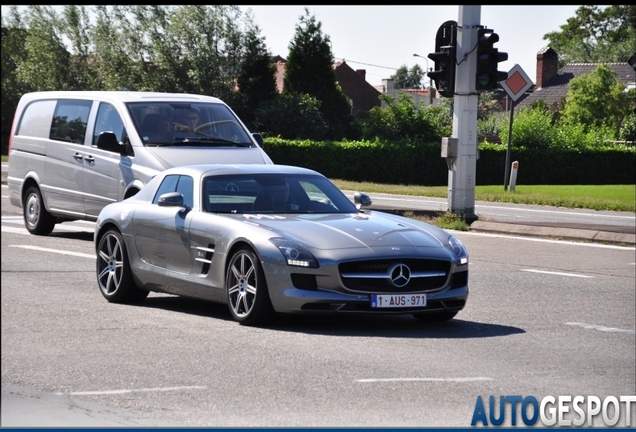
(597, 100)
(256, 77)
(403, 120)
(309, 70)
(405, 78)
(596, 34)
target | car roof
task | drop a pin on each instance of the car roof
(225, 169)
(123, 96)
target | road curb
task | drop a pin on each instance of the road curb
(554, 232)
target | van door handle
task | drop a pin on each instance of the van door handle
(78, 156)
(89, 159)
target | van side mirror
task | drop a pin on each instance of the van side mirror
(108, 141)
(362, 200)
(259, 139)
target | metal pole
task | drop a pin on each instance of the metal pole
(430, 80)
(507, 170)
(461, 179)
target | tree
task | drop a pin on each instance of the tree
(596, 34)
(46, 65)
(256, 81)
(13, 53)
(408, 79)
(309, 70)
(403, 120)
(597, 100)
(293, 116)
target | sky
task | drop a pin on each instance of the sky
(380, 39)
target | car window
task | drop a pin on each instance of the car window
(252, 194)
(188, 123)
(108, 120)
(70, 120)
(177, 183)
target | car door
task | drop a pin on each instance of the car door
(102, 168)
(161, 234)
(65, 153)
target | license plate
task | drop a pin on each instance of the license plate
(398, 300)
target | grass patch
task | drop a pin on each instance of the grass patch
(445, 220)
(593, 197)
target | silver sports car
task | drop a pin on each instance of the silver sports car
(270, 239)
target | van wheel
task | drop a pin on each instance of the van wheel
(37, 219)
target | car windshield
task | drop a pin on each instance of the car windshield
(193, 124)
(273, 193)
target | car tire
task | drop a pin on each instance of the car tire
(37, 219)
(114, 276)
(435, 316)
(247, 294)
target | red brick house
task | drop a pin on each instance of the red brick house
(552, 83)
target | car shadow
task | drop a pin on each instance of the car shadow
(359, 325)
(73, 235)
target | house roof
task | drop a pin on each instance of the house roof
(353, 83)
(556, 88)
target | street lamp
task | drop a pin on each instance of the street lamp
(430, 81)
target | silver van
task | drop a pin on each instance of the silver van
(73, 152)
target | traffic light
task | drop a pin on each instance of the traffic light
(444, 58)
(488, 57)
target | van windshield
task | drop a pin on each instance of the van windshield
(193, 124)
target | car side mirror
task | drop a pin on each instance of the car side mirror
(170, 199)
(108, 141)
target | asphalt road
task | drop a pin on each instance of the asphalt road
(544, 317)
(518, 219)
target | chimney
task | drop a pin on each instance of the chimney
(547, 66)
(362, 73)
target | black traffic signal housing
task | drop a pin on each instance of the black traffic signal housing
(487, 75)
(445, 59)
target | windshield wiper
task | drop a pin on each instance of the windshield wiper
(209, 140)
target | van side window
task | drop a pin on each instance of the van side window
(108, 120)
(36, 120)
(70, 120)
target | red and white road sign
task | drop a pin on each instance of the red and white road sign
(517, 83)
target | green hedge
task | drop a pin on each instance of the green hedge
(421, 163)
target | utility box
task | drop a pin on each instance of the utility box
(449, 151)
(449, 147)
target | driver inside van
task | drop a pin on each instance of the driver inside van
(192, 119)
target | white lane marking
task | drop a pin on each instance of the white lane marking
(122, 391)
(536, 239)
(379, 197)
(426, 379)
(557, 273)
(77, 254)
(601, 328)
(12, 230)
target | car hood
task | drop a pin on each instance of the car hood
(177, 156)
(339, 231)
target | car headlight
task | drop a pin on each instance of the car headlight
(460, 250)
(294, 253)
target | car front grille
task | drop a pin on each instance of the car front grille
(378, 276)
